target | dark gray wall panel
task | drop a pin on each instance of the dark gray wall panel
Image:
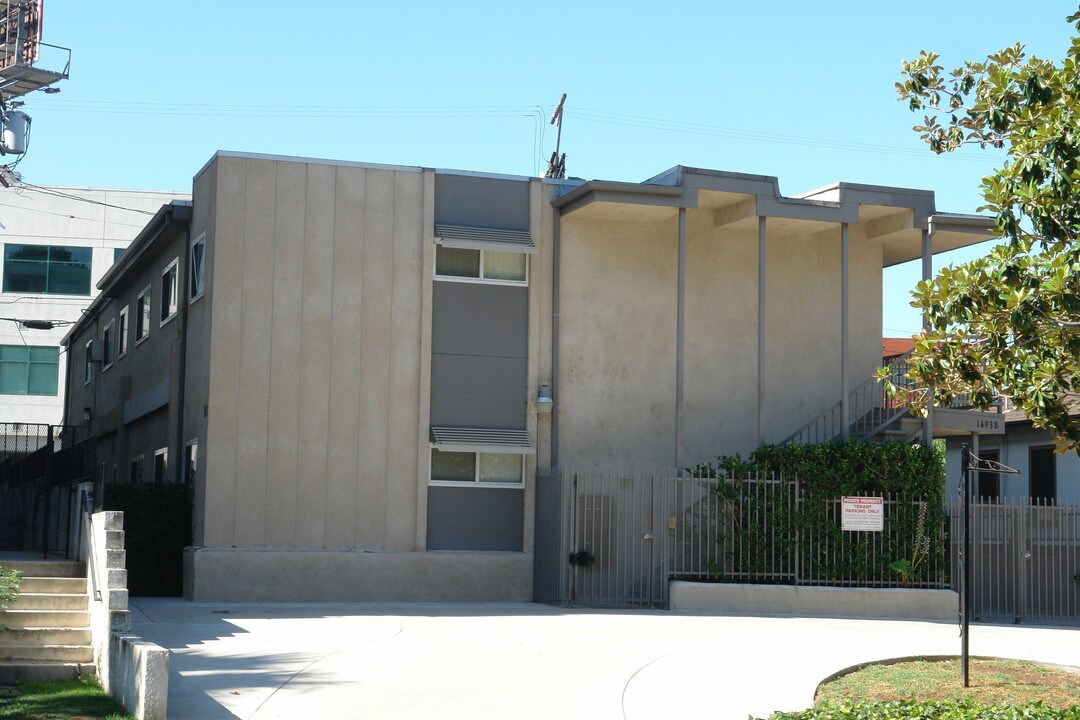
(482, 202)
(479, 362)
(467, 518)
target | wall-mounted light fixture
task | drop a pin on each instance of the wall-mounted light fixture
(87, 414)
(544, 402)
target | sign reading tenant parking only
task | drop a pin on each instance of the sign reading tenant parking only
(862, 513)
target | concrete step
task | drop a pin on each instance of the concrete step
(49, 601)
(46, 653)
(62, 585)
(45, 636)
(13, 672)
(47, 568)
(44, 618)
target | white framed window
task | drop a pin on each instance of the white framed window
(197, 263)
(142, 315)
(191, 461)
(475, 469)
(135, 470)
(161, 464)
(496, 267)
(88, 364)
(169, 292)
(122, 333)
(108, 346)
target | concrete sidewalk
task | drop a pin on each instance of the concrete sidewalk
(500, 661)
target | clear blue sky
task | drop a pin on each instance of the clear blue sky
(802, 91)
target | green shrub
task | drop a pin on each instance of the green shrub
(9, 586)
(800, 525)
(936, 710)
(157, 528)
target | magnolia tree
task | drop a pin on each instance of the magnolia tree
(1007, 324)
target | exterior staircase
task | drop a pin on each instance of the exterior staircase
(45, 633)
(872, 415)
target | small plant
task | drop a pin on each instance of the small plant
(919, 552)
(9, 586)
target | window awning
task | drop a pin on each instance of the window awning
(452, 439)
(478, 238)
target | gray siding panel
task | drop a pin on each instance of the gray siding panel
(479, 362)
(481, 202)
(467, 518)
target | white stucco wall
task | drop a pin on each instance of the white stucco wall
(83, 220)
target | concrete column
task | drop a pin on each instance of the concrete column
(680, 339)
(761, 332)
(845, 322)
(927, 273)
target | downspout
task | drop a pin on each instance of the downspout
(181, 381)
(762, 254)
(680, 335)
(845, 322)
(927, 274)
(555, 232)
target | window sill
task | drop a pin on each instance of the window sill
(475, 484)
(167, 320)
(481, 281)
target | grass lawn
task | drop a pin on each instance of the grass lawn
(67, 700)
(992, 681)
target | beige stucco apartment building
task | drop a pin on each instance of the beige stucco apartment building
(351, 363)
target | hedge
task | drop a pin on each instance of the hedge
(767, 524)
(936, 710)
(157, 528)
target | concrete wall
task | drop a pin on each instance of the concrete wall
(617, 335)
(133, 671)
(314, 575)
(320, 284)
(616, 343)
(84, 221)
(894, 603)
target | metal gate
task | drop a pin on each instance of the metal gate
(1025, 562)
(597, 544)
(614, 539)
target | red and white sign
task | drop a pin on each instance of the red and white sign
(862, 514)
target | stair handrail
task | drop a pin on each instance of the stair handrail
(91, 553)
(897, 369)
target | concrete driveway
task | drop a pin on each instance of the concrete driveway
(521, 661)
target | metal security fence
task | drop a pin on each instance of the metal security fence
(1025, 560)
(617, 539)
(40, 467)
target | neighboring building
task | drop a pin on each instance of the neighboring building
(1045, 477)
(58, 242)
(893, 348)
(350, 362)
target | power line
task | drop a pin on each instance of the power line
(484, 111)
(56, 193)
(63, 215)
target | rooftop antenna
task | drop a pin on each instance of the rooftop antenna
(557, 163)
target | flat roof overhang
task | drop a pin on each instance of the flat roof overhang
(895, 217)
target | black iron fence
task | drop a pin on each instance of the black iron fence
(41, 467)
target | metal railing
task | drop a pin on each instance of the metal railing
(617, 539)
(870, 410)
(86, 535)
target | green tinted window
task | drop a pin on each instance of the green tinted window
(28, 370)
(47, 269)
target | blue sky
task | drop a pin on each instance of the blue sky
(802, 91)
